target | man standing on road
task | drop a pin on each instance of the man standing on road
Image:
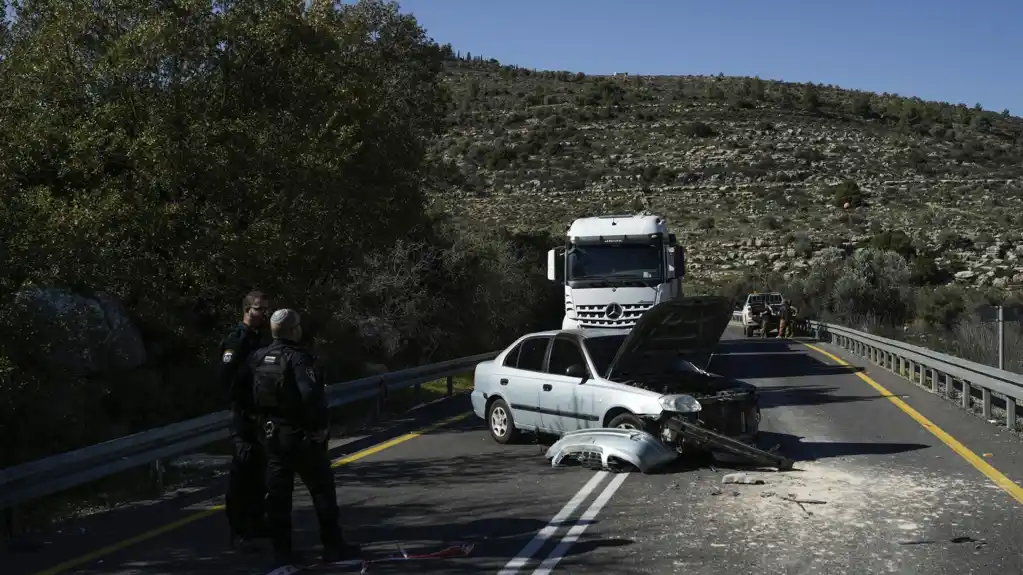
(246, 485)
(785, 324)
(293, 412)
(765, 321)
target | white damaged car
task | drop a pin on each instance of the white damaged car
(575, 382)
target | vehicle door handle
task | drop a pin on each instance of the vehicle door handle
(504, 381)
(547, 387)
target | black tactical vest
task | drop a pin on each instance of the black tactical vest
(269, 381)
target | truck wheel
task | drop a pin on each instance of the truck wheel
(748, 330)
(501, 423)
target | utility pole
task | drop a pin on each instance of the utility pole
(999, 315)
(1001, 337)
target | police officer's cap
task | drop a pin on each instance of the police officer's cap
(285, 318)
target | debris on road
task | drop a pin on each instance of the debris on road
(741, 479)
(702, 437)
(791, 497)
(618, 449)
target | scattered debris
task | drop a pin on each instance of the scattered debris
(741, 479)
(794, 499)
(979, 543)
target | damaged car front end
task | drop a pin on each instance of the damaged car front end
(673, 399)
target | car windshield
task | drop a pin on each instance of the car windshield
(608, 261)
(602, 350)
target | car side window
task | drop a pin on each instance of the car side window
(564, 353)
(531, 354)
(512, 359)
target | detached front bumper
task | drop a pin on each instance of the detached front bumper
(726, 426)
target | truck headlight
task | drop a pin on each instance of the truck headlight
(680, 403)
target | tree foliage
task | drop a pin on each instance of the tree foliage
(178, 153)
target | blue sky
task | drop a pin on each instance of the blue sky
(954, 51)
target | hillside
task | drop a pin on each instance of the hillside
(750, 172)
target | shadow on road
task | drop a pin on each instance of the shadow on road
(411, 504)
(78, 536)
(794, 447)
(780, 364)
(789, 395)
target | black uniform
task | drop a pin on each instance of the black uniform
(291, 405)
(246, 486)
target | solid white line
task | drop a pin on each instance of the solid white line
(579, 528)
(551, 528)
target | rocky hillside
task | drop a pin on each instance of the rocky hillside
(749, 172)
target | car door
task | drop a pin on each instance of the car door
(522, 378)
(565, 403)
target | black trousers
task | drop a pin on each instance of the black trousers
(290, 451)
(246, 488)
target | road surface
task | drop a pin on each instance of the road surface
(896, 497)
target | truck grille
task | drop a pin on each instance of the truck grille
(596, 315)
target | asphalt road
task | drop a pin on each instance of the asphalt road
(896, 499)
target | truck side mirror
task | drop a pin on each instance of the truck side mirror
(680, 261)
(556, 265)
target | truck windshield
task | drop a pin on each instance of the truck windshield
(615, 261)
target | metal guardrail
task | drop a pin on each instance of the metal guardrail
(934, 371)
(35, 479)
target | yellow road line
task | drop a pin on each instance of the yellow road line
(1007, 485)
(121, 545)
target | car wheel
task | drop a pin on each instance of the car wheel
(629, 421)
(501, 422)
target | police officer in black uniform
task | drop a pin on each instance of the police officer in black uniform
(246, 485)
(291, 405)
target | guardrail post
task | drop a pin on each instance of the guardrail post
(451, 385)
(1010, 413)
(933, 380)
(10, 528)
(966, 395)
(985, 402)
(156, 472)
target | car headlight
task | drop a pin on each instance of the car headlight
(680, 403)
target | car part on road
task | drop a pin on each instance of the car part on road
(703, 437)
(613, 449)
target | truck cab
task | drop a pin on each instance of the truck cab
(614, 268)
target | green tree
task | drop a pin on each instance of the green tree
(179, 157)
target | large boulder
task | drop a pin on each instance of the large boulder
(82, 334)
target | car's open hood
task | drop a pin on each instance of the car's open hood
(688, 327)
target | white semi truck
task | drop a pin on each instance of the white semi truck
(616, 267)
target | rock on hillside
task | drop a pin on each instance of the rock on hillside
(747, 171)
